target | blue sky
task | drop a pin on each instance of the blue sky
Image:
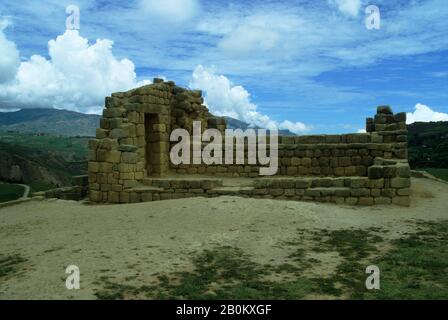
(313, 63)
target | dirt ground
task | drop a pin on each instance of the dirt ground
(135, 242)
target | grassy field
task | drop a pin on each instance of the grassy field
(414, 268)
(438, 173)
(10, 192)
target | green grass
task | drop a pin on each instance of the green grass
(438, 173)
(37, 186)
(10, 264)
(9, 192)
(417, 266)
(221, 273)
(414, 268)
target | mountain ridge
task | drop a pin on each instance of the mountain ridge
(52, 121)
(72, 123)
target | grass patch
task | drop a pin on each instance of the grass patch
(37, 186)
(10, 264)
(438, 173)
(9, 192)
(415, 268)
(221, 273)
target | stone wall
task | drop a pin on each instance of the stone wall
(326, 155)
(132, 145)
(133, 139)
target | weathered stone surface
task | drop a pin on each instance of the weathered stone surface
(127, 148)
(133, 143)
(400, 182)
(129, 157)
(384, 110)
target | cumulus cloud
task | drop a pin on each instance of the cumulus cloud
(9, 56)
(255, 34)
(246, 39)
(226, 99)
(347, 7)
(77, 76)
(171, 10)
(423, 113)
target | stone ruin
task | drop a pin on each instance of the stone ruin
(129, 159)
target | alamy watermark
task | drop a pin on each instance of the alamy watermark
(373, 280)
(73, 19)
(212, 153)
(373, 18)
(72, 281)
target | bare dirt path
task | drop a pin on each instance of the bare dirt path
(132, 243)
(26, 190)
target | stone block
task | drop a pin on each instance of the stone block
(124, 197)
(105, 167)
(95, 196)
(403, 170)
(129, 157)
(113, 197)
(117, 133)
(312, 192)
(389, 171)
(404, 192)
(384, 110)
(365, 201)
(400, 117)
(101, 133)
(375, 172)
(127, 148)
(388, 192)
(93, 167)
(360, 192)
(400, 182)
(93, 144)
(80, 180)
(361, 182)
(351, 201)
(339, 171)
(113, 156)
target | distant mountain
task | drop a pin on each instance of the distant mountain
(70, 123)
(238, 124)
(53, 121)
(428, 144)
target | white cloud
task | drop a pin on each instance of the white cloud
(9, 56)
(226, 99)
(171, 10)
(259, 33)
(423, 113)
(246, 39)
(347, 7)
(76, 77)
(361, 131)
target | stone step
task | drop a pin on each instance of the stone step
(183, 183)
(232, 190)
(322, 192)
(143, 189)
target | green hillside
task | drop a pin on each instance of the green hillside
(428, 144)
(42, 161)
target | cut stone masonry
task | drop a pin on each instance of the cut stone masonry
(129, 159)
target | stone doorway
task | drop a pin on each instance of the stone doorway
(155, 136)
